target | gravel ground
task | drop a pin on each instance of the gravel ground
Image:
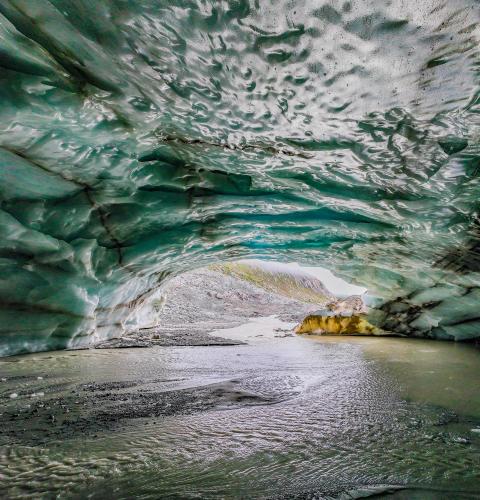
(64, 413)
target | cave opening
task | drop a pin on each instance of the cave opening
(188, 307)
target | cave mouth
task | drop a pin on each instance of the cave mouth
(223, 295)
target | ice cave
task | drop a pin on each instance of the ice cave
(144, 139)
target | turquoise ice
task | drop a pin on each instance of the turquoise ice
(139, 139)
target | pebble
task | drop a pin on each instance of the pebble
(461, 440)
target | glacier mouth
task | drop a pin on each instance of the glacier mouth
(141, 139)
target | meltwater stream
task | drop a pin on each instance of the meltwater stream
(280, 417)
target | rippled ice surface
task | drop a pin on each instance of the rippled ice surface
(140, 138)
(282, 417)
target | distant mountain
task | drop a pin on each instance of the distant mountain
(280, 279)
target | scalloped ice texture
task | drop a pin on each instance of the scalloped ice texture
(144, 138)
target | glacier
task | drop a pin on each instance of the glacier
(142, 139)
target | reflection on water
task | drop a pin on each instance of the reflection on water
(282, 417)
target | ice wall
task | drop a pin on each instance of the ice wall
(144, 138)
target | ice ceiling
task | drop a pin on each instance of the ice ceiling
(141, 138)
